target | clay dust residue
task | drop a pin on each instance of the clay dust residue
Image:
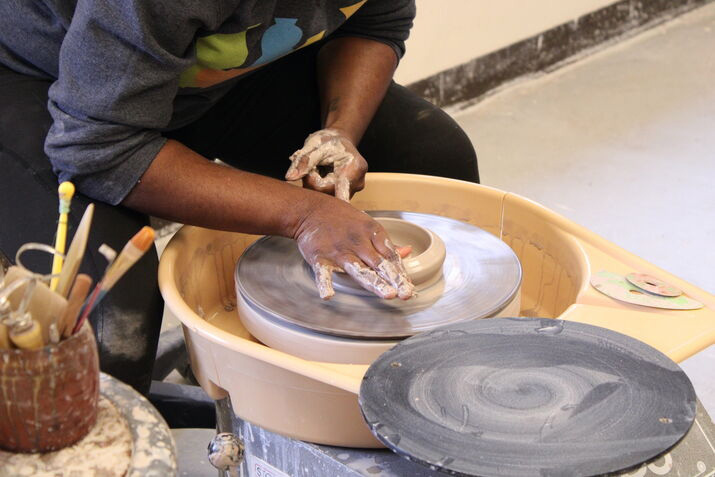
(105, 451)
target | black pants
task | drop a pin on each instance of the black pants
(255, 127)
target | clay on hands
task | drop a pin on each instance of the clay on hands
(368, 278)
(375, 264)
(351, 241)
(330, 149)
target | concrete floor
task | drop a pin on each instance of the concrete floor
(621, 142)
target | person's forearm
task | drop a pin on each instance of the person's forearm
(183, 186)
(353, 76)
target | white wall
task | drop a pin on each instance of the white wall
(451, 32)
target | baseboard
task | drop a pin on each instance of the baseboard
(467, 82)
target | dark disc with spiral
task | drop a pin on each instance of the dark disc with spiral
(526, 397)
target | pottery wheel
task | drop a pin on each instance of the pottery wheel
(481, 275)
(526, 397)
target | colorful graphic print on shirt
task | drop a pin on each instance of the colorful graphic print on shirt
(222, 56)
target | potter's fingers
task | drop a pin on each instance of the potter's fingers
(323, 272)
(388, 272)
(306, 158)
(396, 276)
(299, 167)
(400, 279)
(322, 184)
(302, 162)
(349, 177)
(342, 161)
(321, 148)
(368, 278)
(384, 245)
(342, 188)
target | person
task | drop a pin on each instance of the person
(130, 100)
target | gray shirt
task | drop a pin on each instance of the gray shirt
(126, 70)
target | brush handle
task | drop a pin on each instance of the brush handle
(80, 290)
(129, 256)
(88, 306)
(131, 253)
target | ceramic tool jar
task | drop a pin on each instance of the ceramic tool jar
(48, 396)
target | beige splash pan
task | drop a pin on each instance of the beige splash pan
(317, 401)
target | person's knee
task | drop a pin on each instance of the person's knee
(443, 139)
(410, 134)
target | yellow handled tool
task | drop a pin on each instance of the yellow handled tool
(66, 192)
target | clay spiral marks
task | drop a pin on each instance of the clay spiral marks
(498, 394)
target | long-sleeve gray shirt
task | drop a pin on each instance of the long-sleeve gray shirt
(126, 70)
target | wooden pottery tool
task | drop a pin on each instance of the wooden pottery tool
(65, 192)
(48, 396)
(5, 342)
(80, 290)
(73, 259)
(4, 337)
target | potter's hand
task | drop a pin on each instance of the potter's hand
(334, 236)
(328, 149)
